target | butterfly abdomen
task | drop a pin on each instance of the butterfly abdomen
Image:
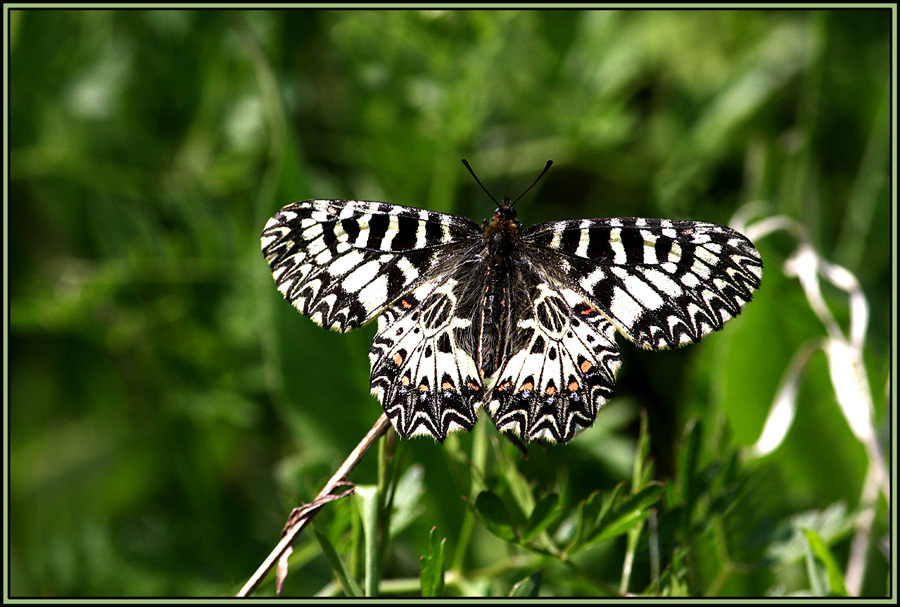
(501, 237)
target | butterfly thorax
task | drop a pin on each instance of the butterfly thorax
(501, 233)
(501, 237)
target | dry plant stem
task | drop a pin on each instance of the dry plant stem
(290, 534)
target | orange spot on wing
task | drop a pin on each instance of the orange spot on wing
(573, 386)
(405, 304)
(398, 360)
(550, 390)
(504, 386)
(586, 366)
(404, 380)
(528, 386)
(446, 386)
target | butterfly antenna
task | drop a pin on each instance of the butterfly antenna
(465, 162)
(546, 168)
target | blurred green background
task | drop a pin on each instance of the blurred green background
(167, 408)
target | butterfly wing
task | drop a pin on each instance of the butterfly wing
(423, 371)
(561, 367)
(342, 262)
(662, 283)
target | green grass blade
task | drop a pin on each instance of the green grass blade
(527, 587)
(341, 573)
(431, 566)
(834, 576)
(491, 511)
(546, 512)
(368, 508)
(631, 511)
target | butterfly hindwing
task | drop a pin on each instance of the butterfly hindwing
(341, 262)
(560, 372)
(662, 283)
(425, 379)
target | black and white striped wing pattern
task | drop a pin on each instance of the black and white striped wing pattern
(662, 283)
(423, 372)
(342, 262)
(520, 321)
(561, 370)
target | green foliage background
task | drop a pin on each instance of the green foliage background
(167, 408)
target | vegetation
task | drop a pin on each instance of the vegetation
(167, 409)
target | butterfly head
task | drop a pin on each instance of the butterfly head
(501, 232)
(504, 212)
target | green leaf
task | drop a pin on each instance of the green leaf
(367, 497)
(817, 582)
(630, 511)
(431, 566)
(341, 573)
(527, 587)
(642, 466)
(407, 498)
(590, 511)
(688, 456)
(546, 512)
(787, 543)
(518, 488)
(821, 551)
(673, 582)
(490, 510)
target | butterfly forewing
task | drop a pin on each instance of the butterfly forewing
(662, 283)
(341, 262)
(521, 322)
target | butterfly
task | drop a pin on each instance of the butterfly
(518, 320)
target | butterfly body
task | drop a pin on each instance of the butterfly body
(520, 321)
(501, 258)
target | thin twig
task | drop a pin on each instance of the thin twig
(291, 533)
(295, 518)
